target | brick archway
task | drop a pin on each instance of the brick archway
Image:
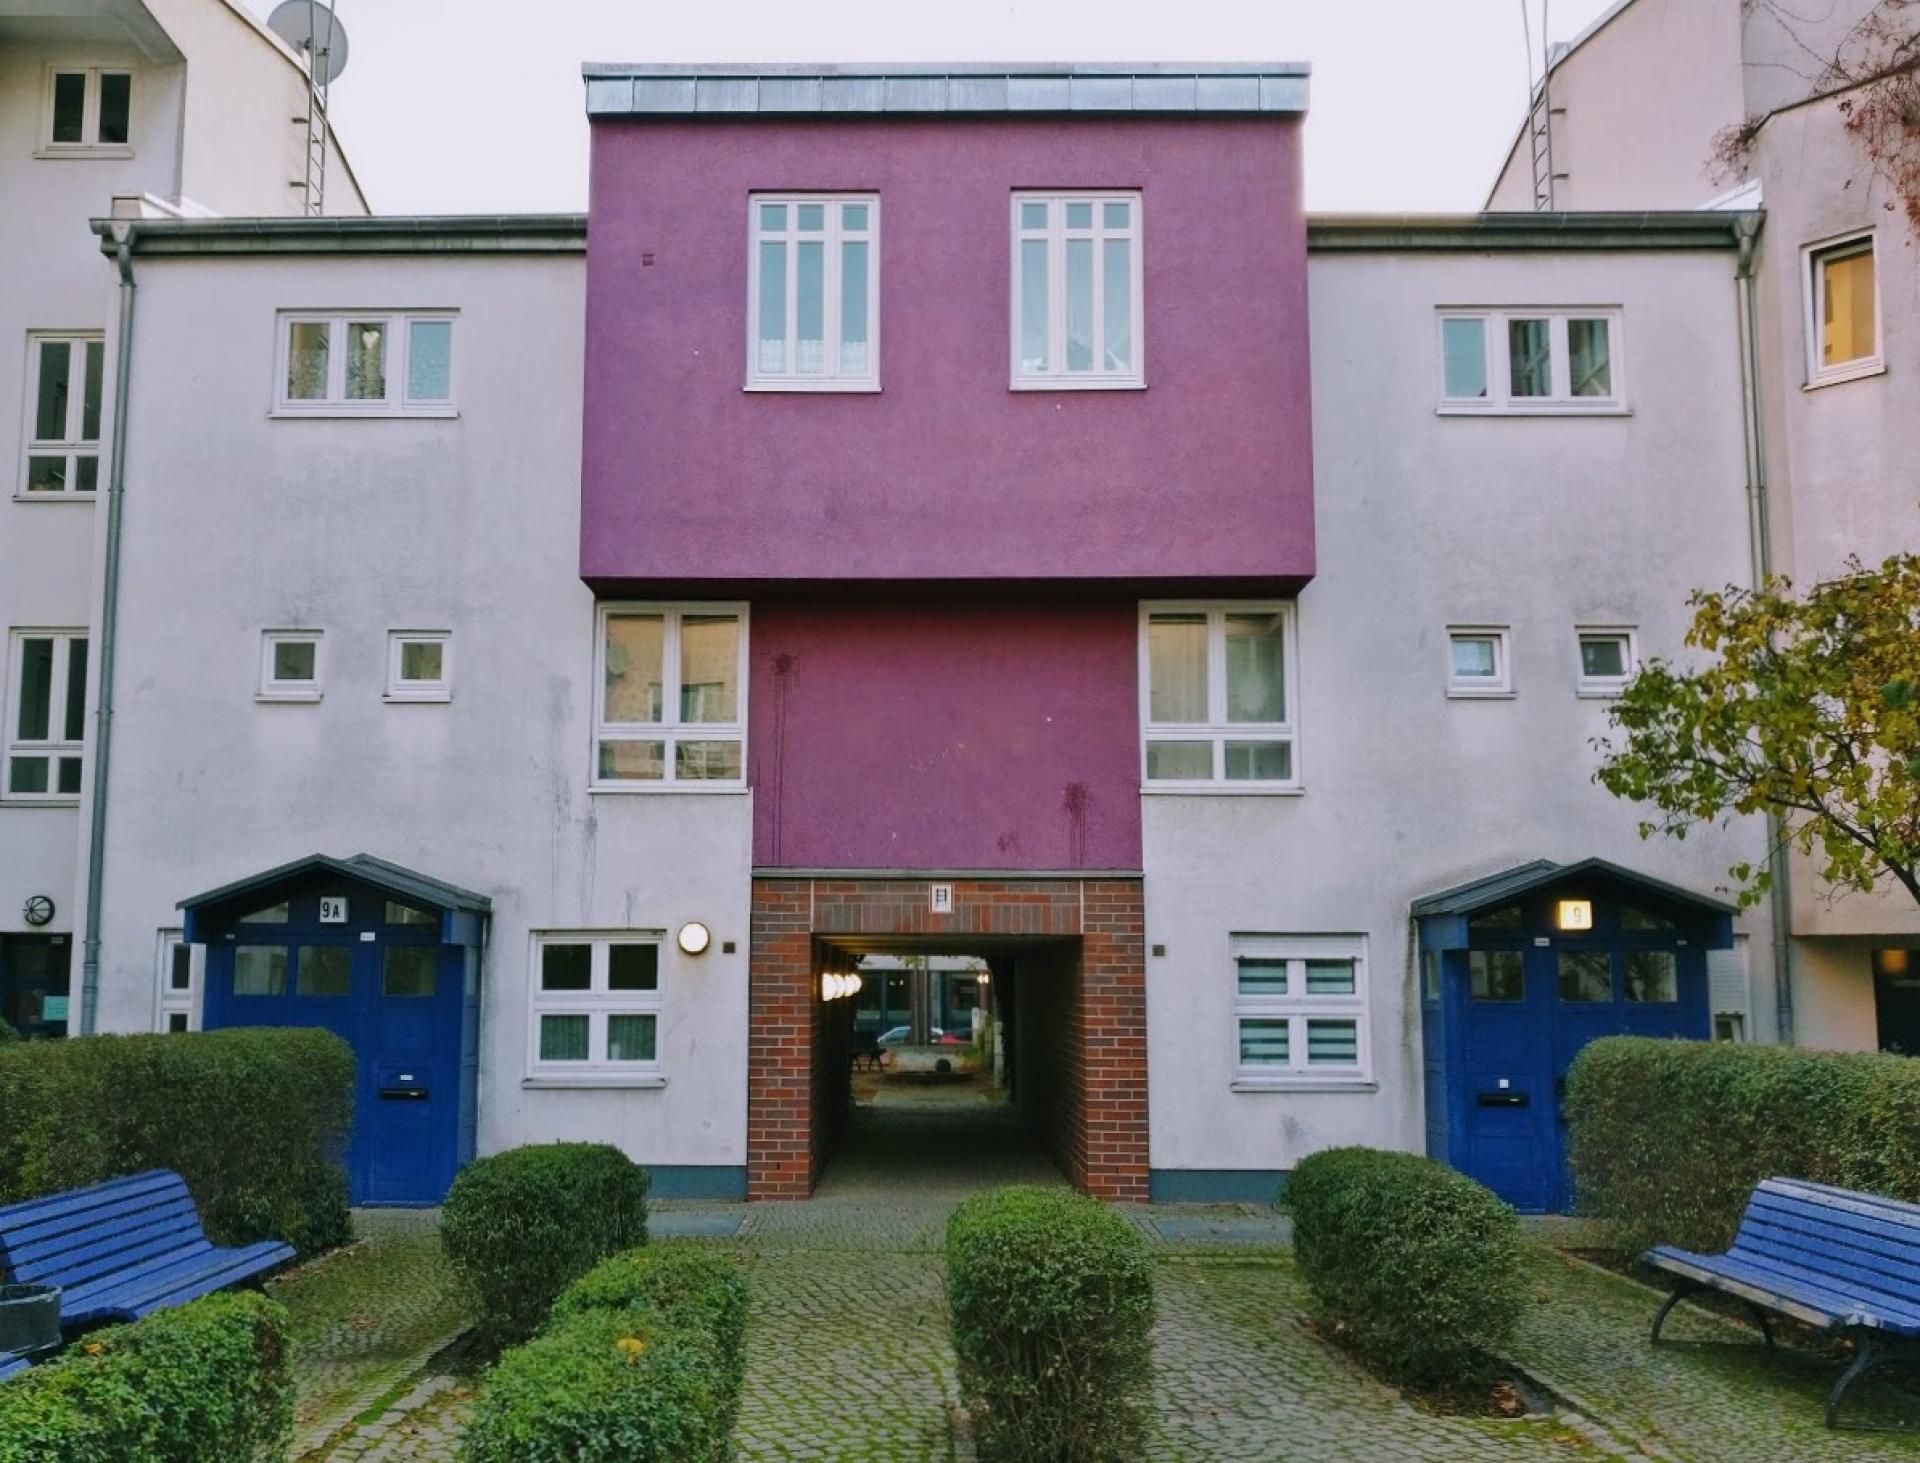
(1099, 1127)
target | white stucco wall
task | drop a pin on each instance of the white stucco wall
(236, 522)
(1425, 521)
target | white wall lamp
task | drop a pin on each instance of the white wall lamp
(695, 937)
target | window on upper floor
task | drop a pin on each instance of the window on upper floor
(1608, 658)
(1531, 360)
(89, 111)
(813, 284)
(290, 665)
(1843, 311)
(419, 665)
(46, 710)
(1300, 1010)
(670, 706)
(365, 363)
(64, 383)
(1478, 661)
(1077, 306)
(1216, 698)
(596, 1008)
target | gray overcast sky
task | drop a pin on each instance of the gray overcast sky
(460, 106)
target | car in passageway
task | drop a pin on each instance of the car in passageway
(903, 1036)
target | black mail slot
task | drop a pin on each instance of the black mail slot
(405, 1094)
(1503, 1099)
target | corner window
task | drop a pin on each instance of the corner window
(1608, 660)
(46, 710)
(1299, 1009)
(64, 384)
(419, 665)
(1216, 697)
(1843, 311)
(813, 284)
(1077, 302)
(1478, 661)
(89, 110)
(1518, 361)
(670, 697)
(365, 363)
(596, 1007)
(290, 665)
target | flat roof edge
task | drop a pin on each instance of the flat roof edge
(558, 233)
(1482, 232)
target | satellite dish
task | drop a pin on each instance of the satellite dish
(315, 31)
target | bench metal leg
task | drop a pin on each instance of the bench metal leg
(1681, 1291)
(1762, 1320)
(1869, 1356)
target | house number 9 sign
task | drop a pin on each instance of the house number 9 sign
(333, 909)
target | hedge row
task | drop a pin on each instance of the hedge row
(1413, 1265)
(256, 1122)
(1050, 1302)
(641, 1362)
(207, 1380)
(522, 1225)
(1668, 1138)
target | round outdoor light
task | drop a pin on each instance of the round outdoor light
(695, 937)
(853, 984)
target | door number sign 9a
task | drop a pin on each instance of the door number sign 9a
(333, 909)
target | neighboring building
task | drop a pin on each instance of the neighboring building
(97, 116)
(1642, 104)
(953, 547)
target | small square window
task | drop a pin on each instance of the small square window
(290, 665)
(1585, 975)
(1607, 661)
(566, 968)
(89, 110)
(408, 972)
(1477, 661)
(1843, 334)
(1496, 975)
(419, 665)
(1299, 1008)
(596, 1010)
(260, 970)
(324, 970)
(1651, 977)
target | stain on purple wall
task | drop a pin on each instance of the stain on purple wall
(916, 734)
(946, 474)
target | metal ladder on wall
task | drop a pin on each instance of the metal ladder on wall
(1539, 108)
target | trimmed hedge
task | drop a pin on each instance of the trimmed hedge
(254, 1120)
(7, 1034)
(207, 1380)
(522, 1225)
(1668, 1138)
(1050, 1303)
(1415, 1266)
(641, 1362)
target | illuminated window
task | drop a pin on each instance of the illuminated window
(1844, 334)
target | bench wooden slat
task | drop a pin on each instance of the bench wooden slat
(1808, 1298)
(1828, 1227)
(1842, 1273)
(130, 1240)
(127, 1297)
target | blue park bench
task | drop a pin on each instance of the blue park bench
(1846, 1264)
(122, 1249)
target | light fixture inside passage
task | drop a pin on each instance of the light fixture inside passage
(695, 937)
(1574, 914)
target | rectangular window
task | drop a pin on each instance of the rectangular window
(46, 711)
(813, 284)
(1651, 977)
(1217, 696)
(1497, 975)
(596, 1008)
(1843, 325)
(365, 363)
(1525, 360)
(260, 970)
(1608, 659)
(88, 110)
(177, 984)
(670, 697)
(65, 376)
(1077, 301)
(1585, 975)
(1299, 1010)
(1477, 661)
(290, 665)
(419, 665)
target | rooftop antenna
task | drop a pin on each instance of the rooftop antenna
(1539, 106)
(315, 32)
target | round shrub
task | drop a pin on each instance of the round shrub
(698, 1285)
(605, 1386)
(1050, 1302)
(522, 1225)
(1413, 1265)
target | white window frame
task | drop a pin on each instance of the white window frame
(53, 747)
(397, 328)
(402, 690)
(1059, 378)
(1606, 686)
(73, 446)
(167, 1001)
(89, 145)
(1499, 400)
(272, 689)
(1813, 294)
(596, 1003)
(834, 378)
(1496, 686)
(670, 729)
(1217, 729)
(1296, 1007)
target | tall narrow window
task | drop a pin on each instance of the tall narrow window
(1076, 291)
(1216, 696)
(814, 293)
(1844, 333)
(46, 714)
(366, 363)
(88, 110)
(65, 378)
(1300, 1010)
(177, 980)
(671, 704)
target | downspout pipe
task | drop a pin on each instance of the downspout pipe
(1760, 546)
(119, 244)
